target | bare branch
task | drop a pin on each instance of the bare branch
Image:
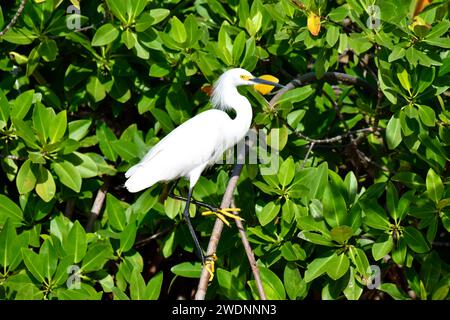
(97, 206)
(14, 19)
(250, 257)
(217, 231)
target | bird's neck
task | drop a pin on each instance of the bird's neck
(243, 110)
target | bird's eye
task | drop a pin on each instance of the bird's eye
(245, 77)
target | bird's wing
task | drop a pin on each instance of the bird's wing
(193, 142)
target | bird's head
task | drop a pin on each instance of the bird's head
(241, 77)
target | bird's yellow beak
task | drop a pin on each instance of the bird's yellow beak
(266, 83)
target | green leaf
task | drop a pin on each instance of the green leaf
(22, 105)
(41, 118)
(286, 172)
(115, 212)
(159, 15)
(272, 285)
(177, 30)
(96, 89)
(397, 53)
(187, 269)
(332, 35)
(128, 237)
(68, 175)
(393, 132)
(48, 50)
(49, 259)
(318, 181)
(381, 249)
(351, 185)
(435, 187)
(105, 137)
(410, 179)
(392, 290)
(135, 8)
(353, 290)
(104, 35)
(163, 118)
(427, 116)
(87, 168)
(338, 266)
(392, 200)
(153, 289)
(10, 210)
(26, 179)
(293, 252)
(399, 252)
(4, 109)
(78, 129)
(405, 81)
(334, 206)
(119, 9)
(375, 216)
(359, 260)
(315, 238)
(76, 244)
(253, 24)
(294, 284)
(268, 213)
(318, 266)
(415, 240)
(230, 285)
(341, 234)
(430, 271)
(58, 128)
(137, 285)
(238, 47)
(34, 264)
(296, 95)
(308, 223)
(96, 257)
(22, 36)
(9, 248)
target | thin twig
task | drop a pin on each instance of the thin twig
(250, 256)
(311, 146)
(14, 19)
(97, 206)
(144, 241)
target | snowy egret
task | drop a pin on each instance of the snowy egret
(199, 142)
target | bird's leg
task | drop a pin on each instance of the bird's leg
(209, 261)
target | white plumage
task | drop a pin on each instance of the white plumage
(200, 141)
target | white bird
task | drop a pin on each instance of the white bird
(200, 141)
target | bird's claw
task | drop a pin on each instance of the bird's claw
(210, 265)
(222, 213)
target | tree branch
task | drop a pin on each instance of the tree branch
(14, 19)
(330, 77)
(97, 206)
(217, 230)
(250, 257)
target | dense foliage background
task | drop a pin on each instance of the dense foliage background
(364, 167)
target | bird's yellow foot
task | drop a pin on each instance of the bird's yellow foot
(222, 213)
(210, 265)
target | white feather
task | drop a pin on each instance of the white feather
(198, 142)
